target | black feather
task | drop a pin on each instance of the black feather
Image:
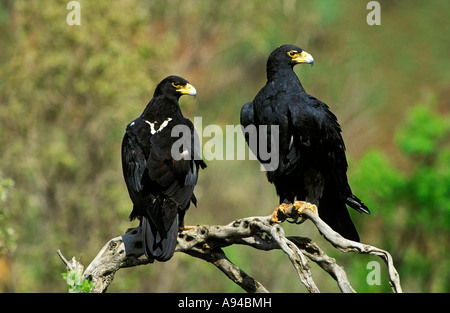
(312, 162)
(160, 186)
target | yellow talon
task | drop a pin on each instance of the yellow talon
(301, 206)
(293, 210)
(279, 214)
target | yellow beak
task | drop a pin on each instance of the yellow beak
(188, 89)
(304, 57)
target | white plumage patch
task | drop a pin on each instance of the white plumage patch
(185, 155)
(160, 128)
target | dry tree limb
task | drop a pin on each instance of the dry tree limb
(119, 252)
(346, 245)
(314, 253)
(208, 238)
(206, 242)
(218, 258)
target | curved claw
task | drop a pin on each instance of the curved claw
(280, 213)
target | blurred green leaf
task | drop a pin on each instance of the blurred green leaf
(422, 131)
(76, 283)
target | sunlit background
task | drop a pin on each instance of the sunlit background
(68, 92)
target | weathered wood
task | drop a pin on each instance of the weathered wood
(206, 242)
(346, 245)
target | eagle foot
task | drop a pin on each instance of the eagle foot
(301, 206)
(280, 213)
(293, 210)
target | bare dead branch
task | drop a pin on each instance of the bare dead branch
(206, 242)
(346, 245)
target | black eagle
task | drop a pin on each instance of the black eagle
(312, 163)
(159, 178)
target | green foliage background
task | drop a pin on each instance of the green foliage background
(67, 93)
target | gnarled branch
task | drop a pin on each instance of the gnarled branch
(206, 242)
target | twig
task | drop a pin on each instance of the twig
(66, 262)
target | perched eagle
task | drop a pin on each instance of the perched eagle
(161, 180)
(312, 164)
